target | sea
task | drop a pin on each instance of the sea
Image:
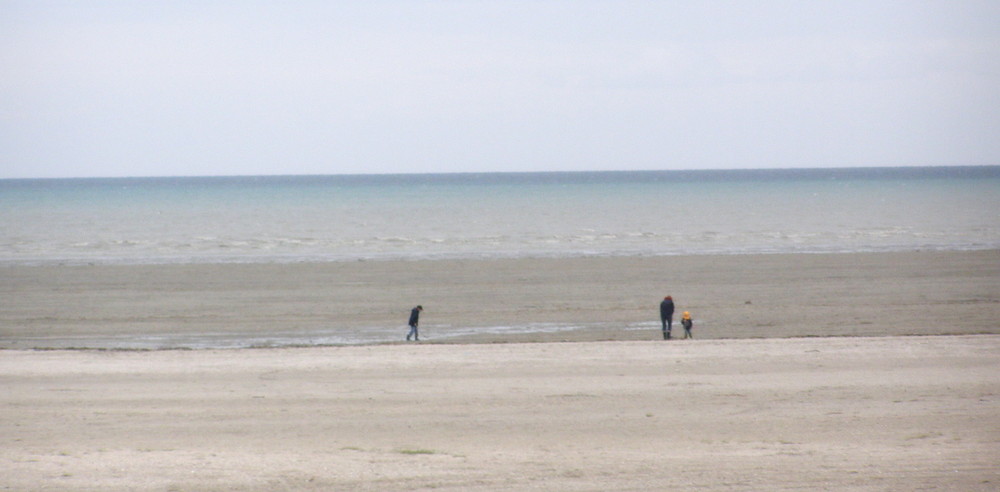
(288, 219)
(276, 219)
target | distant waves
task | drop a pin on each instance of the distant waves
(505, 215)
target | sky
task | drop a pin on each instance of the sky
(167, 88)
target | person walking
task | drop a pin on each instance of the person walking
(667, 316)
(414, 321)
(687, 324)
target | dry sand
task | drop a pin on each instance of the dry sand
(890, 413)
(618, 410)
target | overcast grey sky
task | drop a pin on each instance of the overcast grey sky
(125, 88)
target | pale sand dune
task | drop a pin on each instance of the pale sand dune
(877, 413)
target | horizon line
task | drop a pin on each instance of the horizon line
(512, 173)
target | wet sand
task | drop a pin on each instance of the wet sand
(751, 296)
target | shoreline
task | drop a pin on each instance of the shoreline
(321, 260)
(489, 301)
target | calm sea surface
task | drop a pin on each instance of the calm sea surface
(345, 218)
(338, 218)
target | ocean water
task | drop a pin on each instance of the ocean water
(346, 218)
(280, 219)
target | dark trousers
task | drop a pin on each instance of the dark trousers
(668, 324)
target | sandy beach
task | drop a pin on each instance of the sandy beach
(739, 296)
(879, 413)
(805, 375)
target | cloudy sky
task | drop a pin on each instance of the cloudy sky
(124, 88)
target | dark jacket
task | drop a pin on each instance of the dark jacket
(414, 316)
(666, 309)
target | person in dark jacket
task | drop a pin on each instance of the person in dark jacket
(687, 324)
(667, 316)
(414, 321)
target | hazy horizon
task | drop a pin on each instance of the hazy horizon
(118, 89)
(721, 171)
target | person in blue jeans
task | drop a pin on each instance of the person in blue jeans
(667, 316)
(414, 321)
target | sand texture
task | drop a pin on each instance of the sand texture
(603, 298)
(892, 413)
(800, 378)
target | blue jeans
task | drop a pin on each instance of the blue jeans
(412, 333)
